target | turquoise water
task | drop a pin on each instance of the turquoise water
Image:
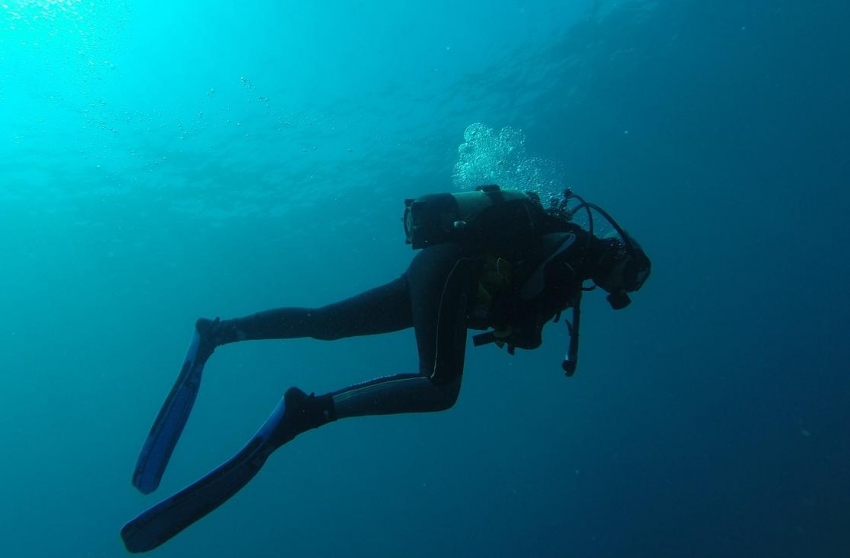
(161, 161)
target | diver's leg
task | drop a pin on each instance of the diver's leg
(441, 284)
(383, 309)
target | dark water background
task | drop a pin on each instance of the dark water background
(164, 161)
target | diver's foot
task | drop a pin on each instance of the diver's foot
(303, 412)
(209, 334)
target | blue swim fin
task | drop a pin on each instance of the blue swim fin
(168, 518)
(171, 419)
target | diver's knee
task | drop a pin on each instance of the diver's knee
(322, 324)
(448, 394)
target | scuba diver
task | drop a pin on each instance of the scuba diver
(491, 259)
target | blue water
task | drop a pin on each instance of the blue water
(161, 161)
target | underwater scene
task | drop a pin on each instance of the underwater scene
(247, 259)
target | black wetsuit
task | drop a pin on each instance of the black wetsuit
(510, 279)
(435, 296)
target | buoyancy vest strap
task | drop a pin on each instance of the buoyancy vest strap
(537, 282)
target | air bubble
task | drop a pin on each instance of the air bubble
(487, 157)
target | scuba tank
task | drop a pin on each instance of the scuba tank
(487, 216)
